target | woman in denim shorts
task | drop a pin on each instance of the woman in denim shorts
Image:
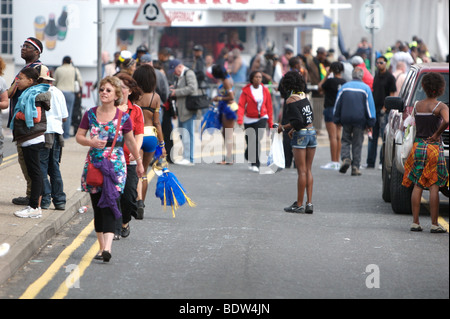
(304, 139)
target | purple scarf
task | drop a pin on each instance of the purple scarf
(109, 192)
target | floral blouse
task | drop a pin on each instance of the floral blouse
(106, 131)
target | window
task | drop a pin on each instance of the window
(6, 39)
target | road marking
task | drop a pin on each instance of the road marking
(443, 223)
(8, 159)
(34, 289)
(85, 262)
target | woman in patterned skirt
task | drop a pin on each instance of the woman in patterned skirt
(425, 166)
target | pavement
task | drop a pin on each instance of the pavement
(26, 236)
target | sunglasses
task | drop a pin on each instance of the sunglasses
(107, 90)
(27, 47)
(381, 62)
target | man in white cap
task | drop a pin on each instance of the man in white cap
(358, 61)
(50, 154)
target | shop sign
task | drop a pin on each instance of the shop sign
(151, 13)
(179, 2)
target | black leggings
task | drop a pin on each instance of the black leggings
(104, 219)
(253, 139)
(33, 163)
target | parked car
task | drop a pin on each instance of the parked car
(399, 108)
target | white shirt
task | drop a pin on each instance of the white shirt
(58, 111)
(258, 95)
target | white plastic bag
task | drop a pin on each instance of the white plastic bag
(408, 141)
(276, 155)
(410, 135)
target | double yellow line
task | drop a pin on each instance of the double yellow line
(8, 159)
(35, 288)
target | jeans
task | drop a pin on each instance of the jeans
(373, 143)
(53, 189)
(352, 141)
(188, 141)
(70, 101)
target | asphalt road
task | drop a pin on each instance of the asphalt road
(238, 243)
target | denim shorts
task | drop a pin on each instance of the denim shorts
(328, 114)
(305, 138)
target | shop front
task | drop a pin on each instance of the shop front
(254, 23)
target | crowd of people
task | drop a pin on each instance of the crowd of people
(140, 98)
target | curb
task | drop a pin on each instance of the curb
(28, 245)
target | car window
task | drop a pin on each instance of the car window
(407, 84)
(420, 93)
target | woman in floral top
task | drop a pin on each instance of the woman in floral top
(101, 122)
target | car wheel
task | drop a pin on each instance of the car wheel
(400, 195)
(386, 185)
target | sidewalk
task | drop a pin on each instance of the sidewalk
(26, 235)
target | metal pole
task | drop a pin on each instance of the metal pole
(99, 46)
(372, 32)
(334, 30)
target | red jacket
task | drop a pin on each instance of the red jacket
(249, 107)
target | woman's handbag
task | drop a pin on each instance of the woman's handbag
(94, 176)
(410, 135)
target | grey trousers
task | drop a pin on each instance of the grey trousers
(352, 141)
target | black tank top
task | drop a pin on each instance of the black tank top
(427, 123)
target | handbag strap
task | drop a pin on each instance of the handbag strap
(117, 132)
(115, 136)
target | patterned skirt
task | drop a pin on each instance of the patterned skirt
(425, 165)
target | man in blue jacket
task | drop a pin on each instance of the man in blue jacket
(355, 111)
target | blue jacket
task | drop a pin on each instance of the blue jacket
(354, 105)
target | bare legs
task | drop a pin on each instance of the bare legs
(303, 161)
(416, 198)
(143, 183)
(334, 136)
(227, 134)
(105, 241)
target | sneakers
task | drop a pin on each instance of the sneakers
(294, 208)
(437, 229)
(29, 213)
(140, 210)
(416, 227)
(253, 168)
(356, 171)
(345, 165)
(331, 166)
(184, 162)
(25, 201)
